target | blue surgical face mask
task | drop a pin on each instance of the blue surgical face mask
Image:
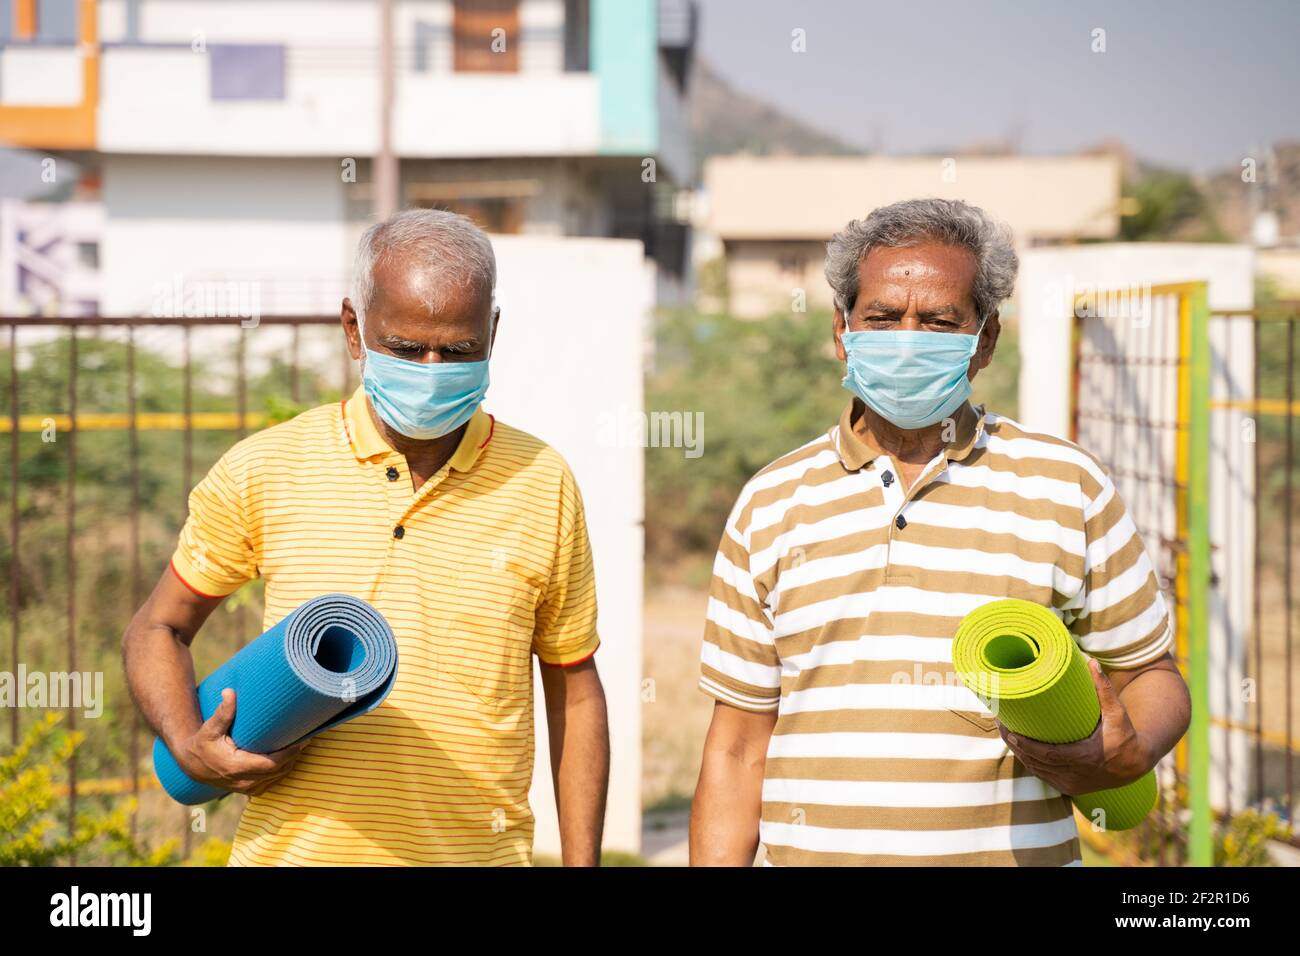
(912, 379)
(423, 400)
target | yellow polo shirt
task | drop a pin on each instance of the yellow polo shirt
(484, 566)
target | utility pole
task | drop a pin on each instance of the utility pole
(386, 173)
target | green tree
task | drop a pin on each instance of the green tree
(1169, 206)
(34, 819)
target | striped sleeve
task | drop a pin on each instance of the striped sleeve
(565, 630)
(738, 659)
(1122, 618)
(215, 553)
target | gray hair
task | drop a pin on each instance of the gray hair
(912, 221)
(454, 251)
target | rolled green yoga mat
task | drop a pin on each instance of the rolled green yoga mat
(1019, 659)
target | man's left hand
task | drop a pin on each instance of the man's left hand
(1112, 756)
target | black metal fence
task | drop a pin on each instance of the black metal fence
(111, 421)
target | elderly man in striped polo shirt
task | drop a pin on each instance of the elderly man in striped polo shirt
(838, 737)
(468, 535)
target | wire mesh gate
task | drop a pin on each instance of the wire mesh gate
(1192, 412)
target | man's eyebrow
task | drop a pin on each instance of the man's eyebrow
(875, 305)
(889, 310)
(941, 310)
(464, 345)
(397, 342)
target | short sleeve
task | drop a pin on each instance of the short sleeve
(1120, 615)
(738, 660)
(215, 554)
(565, 627)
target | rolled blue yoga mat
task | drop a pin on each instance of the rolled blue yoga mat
(330, 660)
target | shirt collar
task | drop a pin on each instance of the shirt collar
(367, 442)
(855, 451)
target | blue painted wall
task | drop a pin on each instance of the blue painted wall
(624, 57)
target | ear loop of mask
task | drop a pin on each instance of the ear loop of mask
(492, 324)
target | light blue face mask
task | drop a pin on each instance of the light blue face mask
(424, 400)
(913, 379)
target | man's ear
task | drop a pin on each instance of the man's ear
(838, 325)
(351, 329)
(988, 340)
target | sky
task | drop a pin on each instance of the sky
(1190, 84)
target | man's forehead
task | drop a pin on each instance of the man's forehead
(401, 278)
(928, 259)
(932, 271)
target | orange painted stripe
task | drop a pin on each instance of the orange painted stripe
(58, 127)
(24, 19)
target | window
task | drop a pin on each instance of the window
(577, 35)
(56, 21)
(485, 36)
(792, 263)
(247, 71)
(501, 216)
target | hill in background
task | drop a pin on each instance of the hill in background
(725, 120)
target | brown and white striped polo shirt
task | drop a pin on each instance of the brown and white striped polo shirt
(834, 599)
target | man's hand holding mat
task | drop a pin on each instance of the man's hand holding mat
(1111, 756)
(212, 757)
(331, 660)
(1058, 714)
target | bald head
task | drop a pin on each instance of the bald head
(437, 254)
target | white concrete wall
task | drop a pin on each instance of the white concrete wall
(335, 112)
(281, 225)
(570, 349)
(811, 197)
(496, 114)
(1049, 276)
(40, 76)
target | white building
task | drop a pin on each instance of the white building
(774, 214)
(239, 134)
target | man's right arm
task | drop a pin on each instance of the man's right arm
(741, 670)
(729, 796)
(160, 675)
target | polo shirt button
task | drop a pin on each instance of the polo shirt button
(900, 521)
(392, 473)
(887, 478)
(399, 531)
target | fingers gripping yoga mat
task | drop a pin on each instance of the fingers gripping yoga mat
(330, 660)
(1019, 659)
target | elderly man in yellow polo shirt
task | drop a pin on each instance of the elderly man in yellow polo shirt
(466, 534)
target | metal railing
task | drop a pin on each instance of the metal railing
(91, 378)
